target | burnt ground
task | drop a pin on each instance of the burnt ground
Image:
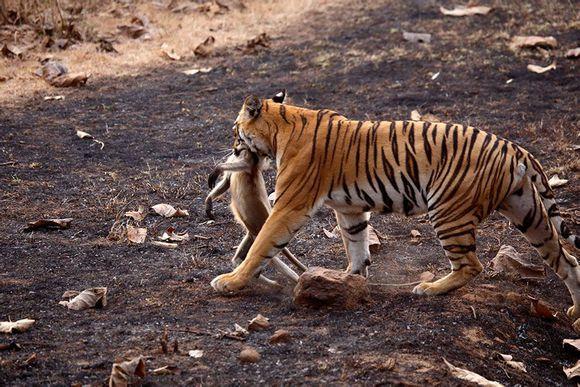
(164, 131)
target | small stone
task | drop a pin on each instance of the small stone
(249, 355)
(280, 336)
(322, 287)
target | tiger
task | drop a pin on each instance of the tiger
(242, 175)
(457, 175)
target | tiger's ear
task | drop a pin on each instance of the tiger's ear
(252, 106)
(280, 97)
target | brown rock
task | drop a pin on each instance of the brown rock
(280, 336)
(319, 286)
(249, 355)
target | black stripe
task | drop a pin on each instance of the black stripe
(357, 228)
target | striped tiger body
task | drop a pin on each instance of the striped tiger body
(456, 174)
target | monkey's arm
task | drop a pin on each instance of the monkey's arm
(217, 191)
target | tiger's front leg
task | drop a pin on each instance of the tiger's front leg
(355, 235)
(278, 230)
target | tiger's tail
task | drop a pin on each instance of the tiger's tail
(540, 180)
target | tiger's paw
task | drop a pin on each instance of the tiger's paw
(573, 313)
(427, 289)
(228, 282)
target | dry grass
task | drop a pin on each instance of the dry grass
(182, 32)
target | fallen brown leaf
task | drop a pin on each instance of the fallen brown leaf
(169, 211)
(415, 233)
(171, 236)
(88, 298)
(470, 376)
(465, 11)
(509, 360)
(428, 117)
(49, 224)
(136, 234)
(16, 326)
(539, 69)
(128, 373)
(521, 42)
(572, 343)
(573, 53)
(539, 309)
(10, 346)
(415, 115)
(206, 48)
(510, 262)
(572, 372)
(329, 234)
(81, 134)
(258, 323)
(196, 353)
(69, 80)
(169, 52)
(556, 182)
(249, 355)
(11, 51)
(138, 215)
(415, 37)
(262, 40)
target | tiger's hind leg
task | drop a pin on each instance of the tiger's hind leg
(525, 209)
(458, 241)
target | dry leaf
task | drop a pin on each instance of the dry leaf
(329, 234)
(521, 42)
(166, 245)
(49, 224)
(465, 11)
(70, 80)
(172, 236)
(205, 48)
(573, 53)
(509, 261)
(572, 343)
(428, 117)
(374, 242)
(262, 40)
(539, 309)
(169, 52)
(249, 355)
(169, 211)
(138, 215)
(415, 233)
(556, 182)
(54, 98)
(196, 353)
(166, 370)
(509, 360)
(81, 134)
(88, 298)
(539, 69)
(416, 37)
(136, 234)
(258, 323)
(201, 70)
(573, 371)
(11, 51)
(470, 376)
(415, 115)
(16, 326)
(128, 373)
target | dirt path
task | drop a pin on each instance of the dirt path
(162, 133)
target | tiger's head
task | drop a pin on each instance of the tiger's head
(252, 130)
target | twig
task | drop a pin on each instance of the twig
(193, 331)
(473, 310)
(395, 285)
(9, 163)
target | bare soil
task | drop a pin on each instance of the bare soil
(163, 132)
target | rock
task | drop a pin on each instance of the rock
(249, 355)
(319, 286)
(280, 336)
